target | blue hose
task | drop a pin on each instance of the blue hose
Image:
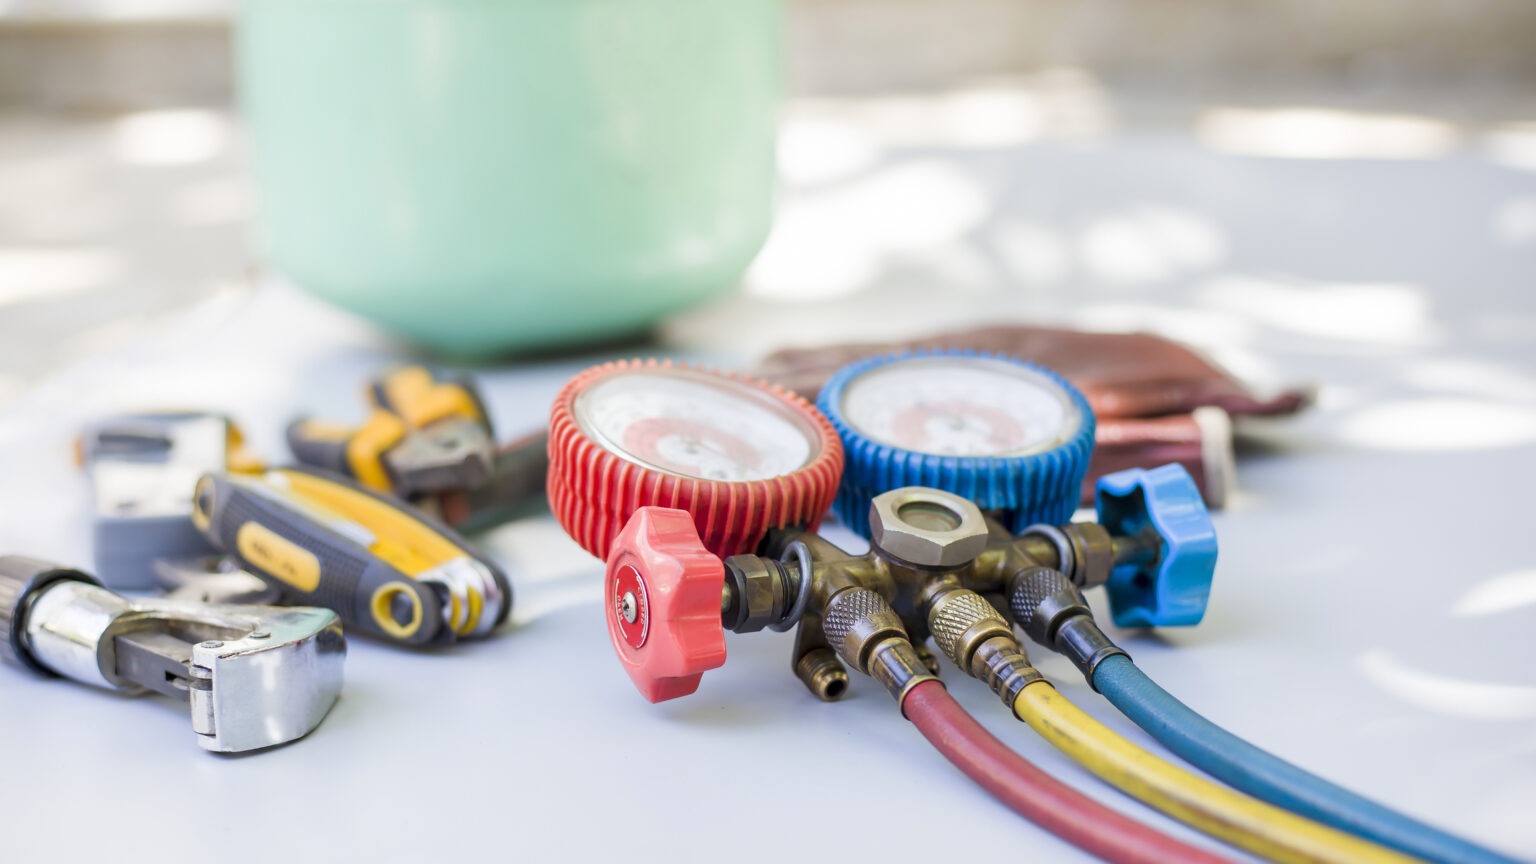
(1245, 767)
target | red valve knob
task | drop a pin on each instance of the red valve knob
(662, 592)
(599, 477)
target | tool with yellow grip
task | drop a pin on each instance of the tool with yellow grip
(323, 540)
(424, 435)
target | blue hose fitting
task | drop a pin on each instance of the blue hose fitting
(1171, 588)
(1030, 486)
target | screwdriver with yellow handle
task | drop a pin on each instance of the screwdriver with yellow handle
(424, 435)
(383, 566)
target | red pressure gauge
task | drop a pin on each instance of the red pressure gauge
(740, 455)
(705, 463)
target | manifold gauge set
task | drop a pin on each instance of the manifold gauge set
(703, 495)
(703, 492)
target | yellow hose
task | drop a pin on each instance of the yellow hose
(1244, 822)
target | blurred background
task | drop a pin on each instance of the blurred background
(1309, 166)
(254, 207)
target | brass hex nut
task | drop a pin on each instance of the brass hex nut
(927, 527)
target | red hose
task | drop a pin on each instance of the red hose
(1036, 795)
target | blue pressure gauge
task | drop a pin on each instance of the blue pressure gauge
(1009, 435)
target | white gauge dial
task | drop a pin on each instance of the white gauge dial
(695, 424)
(960, 406)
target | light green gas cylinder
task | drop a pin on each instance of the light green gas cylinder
(490, 175)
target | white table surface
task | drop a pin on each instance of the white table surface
(1373, 618)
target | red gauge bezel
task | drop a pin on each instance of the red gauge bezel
(594, 491)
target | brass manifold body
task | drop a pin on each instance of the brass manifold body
(938, 567)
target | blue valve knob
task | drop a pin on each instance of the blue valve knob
(1006, 434)
(1169, 587)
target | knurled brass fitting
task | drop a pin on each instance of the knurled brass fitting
(1042, 599)
(1055, 614)
(960, 621)
(980, 641)
(856, 620)
(867, 634)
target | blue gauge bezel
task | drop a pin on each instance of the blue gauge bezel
(1045, 486)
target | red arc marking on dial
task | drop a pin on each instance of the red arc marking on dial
(648, 439)
(913, 429)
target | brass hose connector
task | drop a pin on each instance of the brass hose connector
(1055, 614)
(961, 620)
(979, 640)
(759, 592)
(1084, 552)
(820, 672)
(867, 634)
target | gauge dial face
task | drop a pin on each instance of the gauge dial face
(961, 406)
(695, 424)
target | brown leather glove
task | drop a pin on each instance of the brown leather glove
(1146, 392)
(1201, 441)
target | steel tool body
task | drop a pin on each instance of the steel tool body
(142, 469)
(254, 676)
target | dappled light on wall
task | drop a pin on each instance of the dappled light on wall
(1149, 243)
(1514, 146)
(179, 137)
(35, 273)
(833, 244)
(1383, 314)
(1324, 133)
(1436, 425)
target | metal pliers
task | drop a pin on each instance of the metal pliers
(425, 435)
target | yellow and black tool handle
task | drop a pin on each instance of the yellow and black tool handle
(352, 451)
(316, 558)
(421, 398)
